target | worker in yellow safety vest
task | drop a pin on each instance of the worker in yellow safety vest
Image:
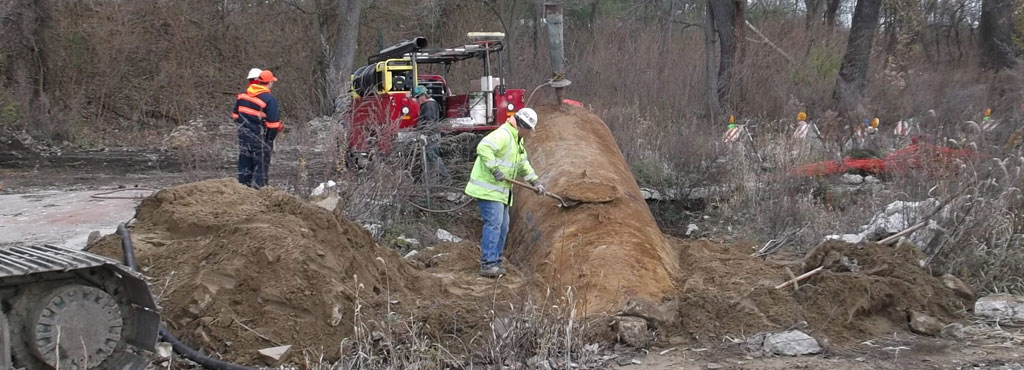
(500, 156)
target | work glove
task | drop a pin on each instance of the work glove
(539, 188)
(498, 175)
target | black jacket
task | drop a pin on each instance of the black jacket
(430, 113)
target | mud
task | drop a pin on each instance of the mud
(591, 191)
(610, 252)
(232, 262)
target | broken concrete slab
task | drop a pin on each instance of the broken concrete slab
(691, 228)
(445, 236)
(791, 343)
(847, 238)
(274, 356)
(851, 179)
(330, 203)
(375, 229)
(323, 188)
(407, 242)
(1000, 307)
(924, 324)
(632, 331)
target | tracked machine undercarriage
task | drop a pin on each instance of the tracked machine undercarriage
(73, 310)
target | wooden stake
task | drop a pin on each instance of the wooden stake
(903, 233)
(801, 277)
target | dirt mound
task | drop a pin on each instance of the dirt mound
(864, 292)
(610, 252)
(239, 270)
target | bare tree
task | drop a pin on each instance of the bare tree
(710, 75)
(25, 24)
(853, 72)
(726, 18)
(339, 34)
(813, 11)
(996, 30)
(831, 11)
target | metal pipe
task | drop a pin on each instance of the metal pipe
(126, 247)
(399, 49)
(554, 20)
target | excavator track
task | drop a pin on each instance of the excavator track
(68, 309)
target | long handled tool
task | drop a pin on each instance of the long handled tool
(564, 203)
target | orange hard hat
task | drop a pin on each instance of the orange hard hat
(732, 119)
(988, 112)
(801, 116)
(267, 76)
(874, 123)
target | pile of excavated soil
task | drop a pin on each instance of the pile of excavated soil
(238, 270)
(863, 293)
(611, 250)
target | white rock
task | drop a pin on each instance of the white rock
(445, 236)
(651, 194)
(411, 254)
(896, 217)
(691, 228)
(848, 238)
(376, 230)
(322, 188)
(275, 355)
(408, 242)
(329, 203)
(791, 343)
(164, 349)
(852, 179)
(871, 180)
(1000, 307)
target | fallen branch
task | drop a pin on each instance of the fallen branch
(906, 232)
(792, 276)
(770, 43)
(256, 332)
(801, 277)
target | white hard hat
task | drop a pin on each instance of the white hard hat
(254, 73)
(527, 117)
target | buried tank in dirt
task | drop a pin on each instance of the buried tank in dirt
(67, 309)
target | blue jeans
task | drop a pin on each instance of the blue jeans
(495, 215)
(254, 149)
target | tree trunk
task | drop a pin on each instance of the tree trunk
(996, 30)
(343, 50)
(831, 11)
(710, 75)
(25, 24)
(727, 16)
(813, 8)
(853, 73)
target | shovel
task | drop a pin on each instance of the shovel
(563, 203)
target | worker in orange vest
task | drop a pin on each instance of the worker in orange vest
(258, 117)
